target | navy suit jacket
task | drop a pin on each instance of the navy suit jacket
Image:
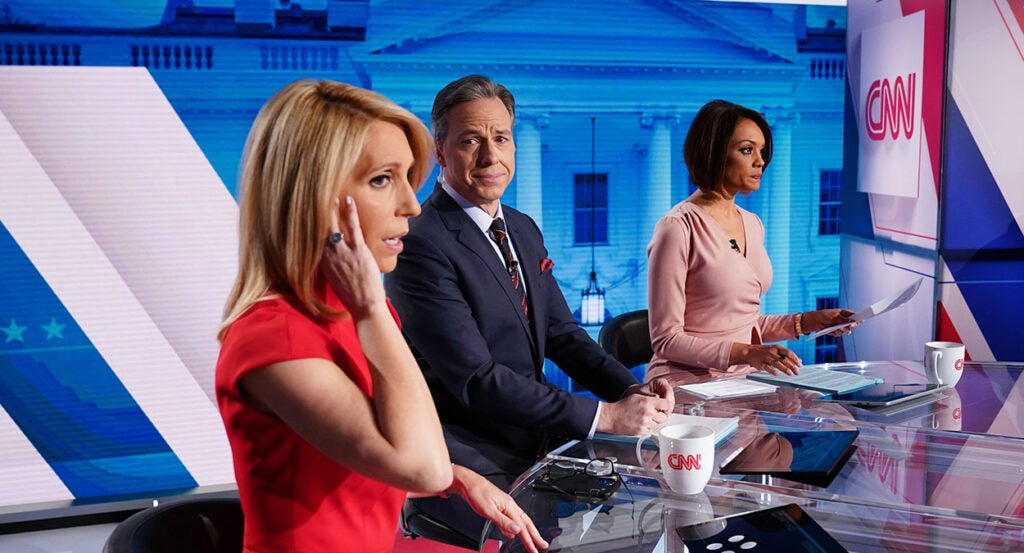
(481, 357)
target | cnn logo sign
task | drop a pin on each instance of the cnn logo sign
(889, 107)
(890, 92)
(678, 461)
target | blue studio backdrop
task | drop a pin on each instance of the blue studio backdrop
(123, 124)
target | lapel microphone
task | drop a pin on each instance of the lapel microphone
(735, 246)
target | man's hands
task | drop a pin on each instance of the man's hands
(641, 409)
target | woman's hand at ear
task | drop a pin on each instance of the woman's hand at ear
(349, 265)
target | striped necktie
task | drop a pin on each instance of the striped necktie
(501, 237)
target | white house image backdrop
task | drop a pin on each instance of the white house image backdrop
(605, 91)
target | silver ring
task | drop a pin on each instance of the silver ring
(335, 238)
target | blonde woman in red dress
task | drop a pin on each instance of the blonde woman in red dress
(329, 419)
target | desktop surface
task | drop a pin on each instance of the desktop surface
(942, 476)
(988, 399)
(643, 515)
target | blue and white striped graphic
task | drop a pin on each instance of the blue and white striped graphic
(63, 396)
(118, 245)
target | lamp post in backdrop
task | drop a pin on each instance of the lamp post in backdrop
(592, 303)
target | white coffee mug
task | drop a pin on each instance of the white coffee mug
(687, 454)
(944, 362)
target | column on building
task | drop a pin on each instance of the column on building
(657, 177)
(775, 212)
(529, 173)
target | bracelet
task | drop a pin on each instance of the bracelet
(798, 324)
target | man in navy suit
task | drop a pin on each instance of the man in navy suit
(482, 310)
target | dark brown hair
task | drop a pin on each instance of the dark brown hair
(707, 142)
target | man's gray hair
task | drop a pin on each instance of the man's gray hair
(460, 91)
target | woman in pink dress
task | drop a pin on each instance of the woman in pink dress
(330, 422)
(708, 267)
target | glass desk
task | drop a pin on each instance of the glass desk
(925, 479)
(989, 400)
(643, 514)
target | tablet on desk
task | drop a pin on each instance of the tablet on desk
(784, 528)
(885, 394)
(811, 456)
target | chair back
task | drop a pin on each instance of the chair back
(417, 523)
(194, 524)
(627, 338)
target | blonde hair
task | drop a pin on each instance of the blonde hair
(303, 145)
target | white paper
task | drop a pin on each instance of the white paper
(731, 387)
(881, 306)
(723, 426)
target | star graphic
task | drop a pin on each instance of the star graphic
(53, 329)
(14, 331)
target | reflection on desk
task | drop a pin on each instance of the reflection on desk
(946, 476)
(988, 399)
(643, 514)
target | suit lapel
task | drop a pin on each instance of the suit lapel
(467, 234)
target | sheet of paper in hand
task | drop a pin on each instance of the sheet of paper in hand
(881, 306)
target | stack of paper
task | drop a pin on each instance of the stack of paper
(723, 426)
(822, 380)
(730, 387)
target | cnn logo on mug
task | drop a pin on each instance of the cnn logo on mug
(679, 461)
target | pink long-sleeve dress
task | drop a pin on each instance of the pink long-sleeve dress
(703, 296)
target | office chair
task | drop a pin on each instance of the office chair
(627, 338)
(194, 524)
(417, 523)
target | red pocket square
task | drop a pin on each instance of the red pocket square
(546, 265)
